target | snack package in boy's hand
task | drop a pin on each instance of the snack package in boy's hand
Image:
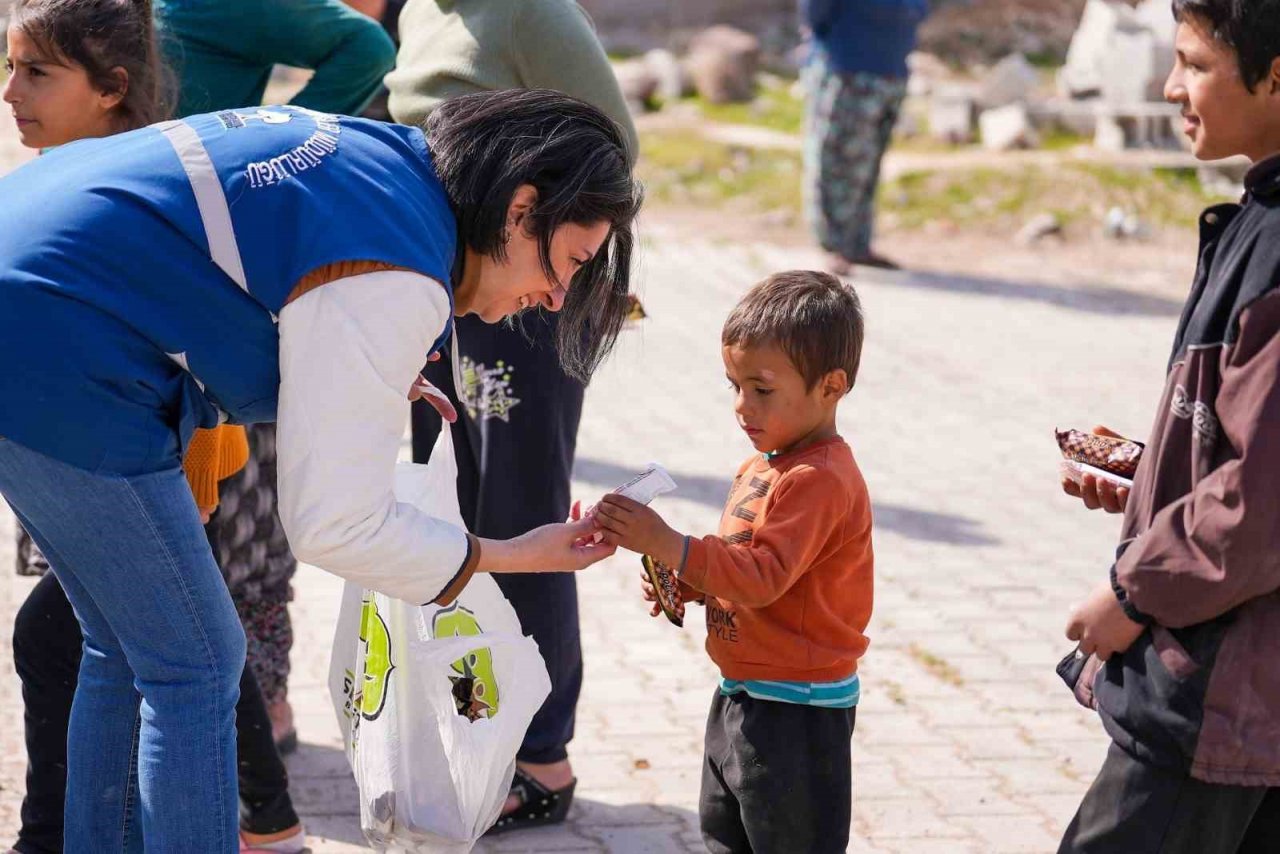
(644, 487)
(664, 584)
(1106, 457)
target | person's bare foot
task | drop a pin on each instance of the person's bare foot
(553, 775)
(838, 265)
(283, 731)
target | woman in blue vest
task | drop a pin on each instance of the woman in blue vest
(253, 265)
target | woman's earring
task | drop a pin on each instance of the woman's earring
(523, 302)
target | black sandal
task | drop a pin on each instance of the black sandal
(539, 806)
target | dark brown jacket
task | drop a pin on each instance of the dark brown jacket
(1200, 555)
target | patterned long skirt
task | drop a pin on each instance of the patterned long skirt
(848, 124)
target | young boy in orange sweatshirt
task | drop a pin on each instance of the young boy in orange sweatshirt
(787, 583)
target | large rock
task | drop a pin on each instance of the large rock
(1007, 128)
(952, 109)
(635, 26)
(722, 64)
(1120, 52)
(673, 80)
(1135, 66)
(638, 83)
(965, 32)
(926, 72)
(1012, 80)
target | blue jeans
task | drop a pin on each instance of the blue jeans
(151, 752)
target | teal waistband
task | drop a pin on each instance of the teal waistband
(843, 694)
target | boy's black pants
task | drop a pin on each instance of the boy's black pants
(1137, 808)
(777, 777)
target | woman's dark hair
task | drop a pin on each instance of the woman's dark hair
(1251, 28)
(101, 36)
(487, 145)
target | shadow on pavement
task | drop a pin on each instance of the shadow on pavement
(924, 525)
(1101, 299)
(596, 826)
(325, 796)
(324, 793)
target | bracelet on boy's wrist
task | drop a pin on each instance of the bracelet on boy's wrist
(1127, 606)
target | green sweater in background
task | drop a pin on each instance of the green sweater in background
(457, 47)
(222, 52)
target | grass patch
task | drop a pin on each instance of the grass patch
(774, 107)
(685, 167)
(936, 666)
(1075, 192)
(1061, 139)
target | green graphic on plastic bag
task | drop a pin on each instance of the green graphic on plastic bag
(475, 688)
(372, 694)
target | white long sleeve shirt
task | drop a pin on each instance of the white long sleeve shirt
(349, 352)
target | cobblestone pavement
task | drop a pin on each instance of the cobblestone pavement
(966, 740)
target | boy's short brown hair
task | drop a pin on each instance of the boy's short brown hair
(812, 317)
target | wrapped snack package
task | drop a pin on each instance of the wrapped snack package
(644, 487)
(664, 582)
(1105, 457)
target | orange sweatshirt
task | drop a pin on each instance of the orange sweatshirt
(789, 578)
(214, 455)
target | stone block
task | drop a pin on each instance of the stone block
(672, 79)
(722, 64)
(1007, 128)
(1012, 80)
(951, 114)
(637, 81)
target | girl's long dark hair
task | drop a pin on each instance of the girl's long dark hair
(487, 145)
(101, 36)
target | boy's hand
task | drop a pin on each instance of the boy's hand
(1100, 625)
(650, 594)
(1098, 492)
(633, 526)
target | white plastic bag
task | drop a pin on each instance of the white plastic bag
(431, 778)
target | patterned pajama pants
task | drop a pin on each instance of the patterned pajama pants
(257, 563)
(849, 121)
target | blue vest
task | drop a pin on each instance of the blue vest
(141, 274)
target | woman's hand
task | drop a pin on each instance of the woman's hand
(551, 548)
(1098, 492)
(422, 389)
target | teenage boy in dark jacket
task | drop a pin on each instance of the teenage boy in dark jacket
(1189, 622)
